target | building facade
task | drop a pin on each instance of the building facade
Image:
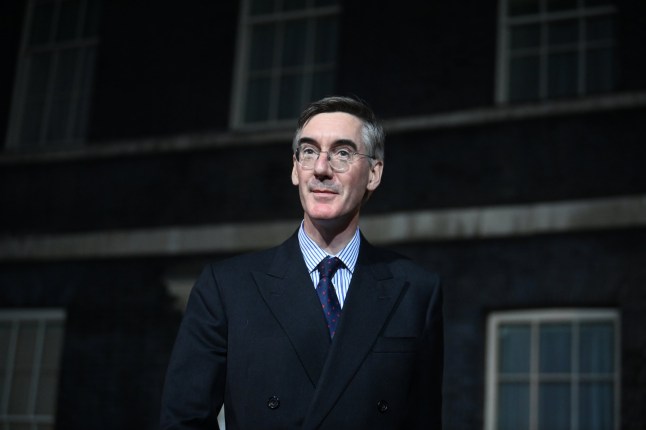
(142, 141)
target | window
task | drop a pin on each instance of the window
(287, 57)
(555, 48)
(30, 350)
(553, 370)
(54, 76)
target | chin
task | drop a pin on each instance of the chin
(323, 215)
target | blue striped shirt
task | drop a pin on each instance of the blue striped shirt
(313, 254)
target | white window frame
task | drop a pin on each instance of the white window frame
(543, 18)
(241, 75)
(17, 317)
(534, 318)
(80, 91)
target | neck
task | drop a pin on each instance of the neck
(331, 235)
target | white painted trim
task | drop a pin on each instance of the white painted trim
(268, 135)
(29, 314)
(414, 226)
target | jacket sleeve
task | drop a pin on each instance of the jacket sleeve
(195, 380)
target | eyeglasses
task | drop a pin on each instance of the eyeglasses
(339, 158)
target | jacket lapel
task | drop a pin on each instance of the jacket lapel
(287, 289)
(372, 294)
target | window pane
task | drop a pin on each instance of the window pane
(257, 102)
(62, 102)
(46, 394)
(262, 47)
(524, 78)
(23, 366)
(326, 40)
(600, 70)
(598, 2)
(600, 28)
(524, 36)
(562, 74)
(325, 2)
(32, 122)
(19, 393)
(41, 23)
(522, 7)
(597, 348)
(513, 406)
(514, 348)
(92, 15)
(66, 67)
(557, 5)
(52, 346)
(39, 71)
(564, 32)
(294, 4)
(26, 345)
(555, 348)
(294, 43)
(259, 7)
(68, 20)
(47, 386)
(554, 406)
(291, 96)
(596, 406)
(59, 119)
(85, 86)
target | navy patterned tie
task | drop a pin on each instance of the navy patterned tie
(331, 307)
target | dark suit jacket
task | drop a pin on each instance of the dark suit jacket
(255, 338)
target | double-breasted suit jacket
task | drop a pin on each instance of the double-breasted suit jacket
(254, 338)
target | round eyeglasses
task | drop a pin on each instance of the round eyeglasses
(339, 158)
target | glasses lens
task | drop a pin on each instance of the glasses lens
(338, 164)
(339, 160)
(307, 156)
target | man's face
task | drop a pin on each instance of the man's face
(327, 195)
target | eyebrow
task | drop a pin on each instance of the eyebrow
(336, 143)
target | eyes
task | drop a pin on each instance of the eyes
(340, 153)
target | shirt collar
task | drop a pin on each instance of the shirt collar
(313, 254)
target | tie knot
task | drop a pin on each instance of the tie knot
(328, 266)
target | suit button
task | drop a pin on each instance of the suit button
(382, 406)
(273, 402)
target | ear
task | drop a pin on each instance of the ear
(295, 180)
(374, 178)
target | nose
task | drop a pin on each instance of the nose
(322, 165)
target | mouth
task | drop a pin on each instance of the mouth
(322, 189)
(323, 194)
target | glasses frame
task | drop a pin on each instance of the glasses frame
(330, 153)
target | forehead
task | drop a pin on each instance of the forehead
(333, 126)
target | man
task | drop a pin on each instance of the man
(288, 339)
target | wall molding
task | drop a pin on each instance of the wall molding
(253, 137)
(414, 226)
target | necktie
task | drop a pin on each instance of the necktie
(329, 301)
